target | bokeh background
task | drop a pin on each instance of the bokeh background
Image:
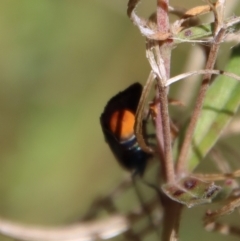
(60, 62)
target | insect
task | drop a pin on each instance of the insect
(117, 121)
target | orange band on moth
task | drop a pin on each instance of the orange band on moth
(122, 124)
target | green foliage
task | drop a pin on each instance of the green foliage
(220, 105)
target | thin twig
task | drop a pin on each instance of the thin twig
(172, 210)
(163, 58)
(166, 132)
(198, 72)
(138, 126)
(108, 228)
(218, 176)
(182, 159)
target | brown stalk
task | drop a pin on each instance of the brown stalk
(164, 126)
(138, 126)
(162, 118)
(182, 160)
(172, 210)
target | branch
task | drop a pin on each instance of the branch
(103, 229)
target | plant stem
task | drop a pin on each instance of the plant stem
(162, 16)
(172, 209)
(182, 160)
(162, 118)
(171, 219)
(163, 125)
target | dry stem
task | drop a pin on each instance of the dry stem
(182, 160)
(170, 219)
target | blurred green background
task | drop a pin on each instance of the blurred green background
(60, 62)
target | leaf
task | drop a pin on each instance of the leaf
(203, 31)
(191, 191)
(220, 105)
(197, 32)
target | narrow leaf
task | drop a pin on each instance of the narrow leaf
(220, 105)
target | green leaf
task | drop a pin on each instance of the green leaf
(202, 31)
(191, 191)
(196, 32)
(220, 105)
